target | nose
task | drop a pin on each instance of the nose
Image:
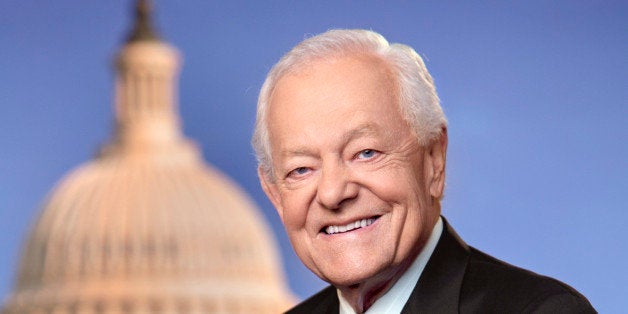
(335, 185)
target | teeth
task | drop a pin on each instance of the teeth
(350, 226)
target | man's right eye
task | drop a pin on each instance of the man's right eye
(298, 172)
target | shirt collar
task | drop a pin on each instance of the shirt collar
(397, 296)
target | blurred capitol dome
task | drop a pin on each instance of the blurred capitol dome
(147, 227)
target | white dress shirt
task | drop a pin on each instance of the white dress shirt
(395, 298)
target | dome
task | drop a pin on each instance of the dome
(147, 226)
(130, 234)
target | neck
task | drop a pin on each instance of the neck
(361, 296)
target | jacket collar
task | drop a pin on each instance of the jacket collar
(438, 289)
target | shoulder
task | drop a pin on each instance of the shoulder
(493, 284)
(325, 301)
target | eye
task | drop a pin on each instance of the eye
(298, 172)
(367, 154)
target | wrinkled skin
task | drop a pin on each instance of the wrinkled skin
(342, 152)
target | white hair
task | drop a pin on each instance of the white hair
(419, 103)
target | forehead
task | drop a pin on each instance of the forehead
(333, 82)
(337, 70)
(333, 97)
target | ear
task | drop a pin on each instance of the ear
(270, 188)
(437, 158)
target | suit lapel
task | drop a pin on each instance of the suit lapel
(330, 305)
(438, 289)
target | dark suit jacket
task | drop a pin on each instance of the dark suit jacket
(461, 279)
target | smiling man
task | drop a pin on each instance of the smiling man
(351, 142)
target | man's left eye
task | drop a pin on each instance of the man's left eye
(367, 154)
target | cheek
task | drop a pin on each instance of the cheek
(397, 185)
(295, 209)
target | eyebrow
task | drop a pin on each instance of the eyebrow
(361, 130)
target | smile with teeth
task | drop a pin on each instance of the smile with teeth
(350, 226)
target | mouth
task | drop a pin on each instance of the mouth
(358, 224)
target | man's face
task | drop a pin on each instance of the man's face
(354, 189)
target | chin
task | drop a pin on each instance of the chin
(350, 276)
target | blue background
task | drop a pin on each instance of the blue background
(535, 92)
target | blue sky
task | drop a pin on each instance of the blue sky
(535, 93)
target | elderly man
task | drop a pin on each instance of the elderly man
(351, 142)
